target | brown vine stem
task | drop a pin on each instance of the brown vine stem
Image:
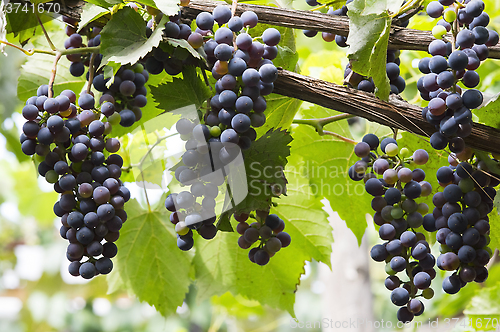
(233, 7)
(53, 75)
(396, 113)
(91, 72)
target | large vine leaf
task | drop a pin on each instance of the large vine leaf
(220, 265)
(181, 92)
(37, 71)
(326, 161)
(90, 13)
(484, 309)
(488, 114)
(149, 261)
(369, 29)
(495, 223)
(124, 40)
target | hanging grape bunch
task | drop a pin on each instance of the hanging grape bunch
(454, 61)
(245, 73)
(461, 218)
(399, 215)
(79, 159)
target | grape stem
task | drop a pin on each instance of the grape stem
(233, 7)
(52, 47)
(91, 72)
(53, 75)
(318, 124)
(342, 138)
(31, 51)
(410, 5)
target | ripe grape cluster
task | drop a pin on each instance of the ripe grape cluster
(195, 209)
(461, 220)
(244, 72)
(122, 101)
(399, 215)
(76, 40)
(79, 159)
(267, 230)
(449, 108)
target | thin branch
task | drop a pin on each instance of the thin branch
(91, 72)
(52, 47)
(396, 113)
(53, 75)
(345, 139)
(318, 124)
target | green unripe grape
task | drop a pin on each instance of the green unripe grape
(391, 150)
(397, 213)
(181, 228)
(488, 239)
(404, 153)
(185, 137)
(466, 185)
(423, 208)
(51, 176)
(388, 270)
(449, 15)
(439, 31)
(215, 131)
(428, 293)
(138, 68)
(488, 249)
(115, 118)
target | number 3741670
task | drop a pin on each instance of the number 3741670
(27, 7)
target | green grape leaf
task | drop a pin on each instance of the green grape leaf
(124, 40)
(26, 187)
(488, 114)
(21, 24)
(369, 29)
(150, 263)
(264, 162)
(37, 71)
(495, 223)
(326, 163)
(167, 7)
(484, 309)
(221, 265)
(183, 44)
(188, 90)
(12, 143)
(90, 13)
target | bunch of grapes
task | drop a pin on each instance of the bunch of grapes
(267, 230)
(461, 218)
(398, 215)
(449, 110)
(122, 101)
(245, 74)
(75, 40)
(80, 160)
(195, 209)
